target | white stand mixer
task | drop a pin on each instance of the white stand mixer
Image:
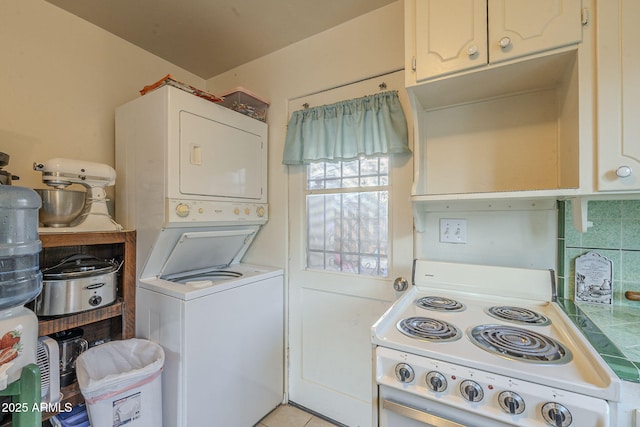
(59, 173)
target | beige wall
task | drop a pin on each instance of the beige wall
(364, 47)
(60, 81)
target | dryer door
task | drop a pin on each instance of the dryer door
(219, 160)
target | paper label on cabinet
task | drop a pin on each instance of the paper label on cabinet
(594, 279)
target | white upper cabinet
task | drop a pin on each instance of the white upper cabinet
(618, 88)
(523, 27)
(502, 95)
(450, 36)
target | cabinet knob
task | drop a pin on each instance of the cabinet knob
(472, 50)
(504, 42)
(624, 171)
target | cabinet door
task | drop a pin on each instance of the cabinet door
(618, 91)
(523, 27)
(451, 35)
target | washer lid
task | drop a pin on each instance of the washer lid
(202, 250)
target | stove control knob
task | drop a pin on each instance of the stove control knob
(511, 402)
(436, 381)
(556, 415)
(471, 390)
(404, 373)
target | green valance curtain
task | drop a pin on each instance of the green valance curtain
(370, 126)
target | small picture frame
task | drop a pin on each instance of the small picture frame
(594, 279)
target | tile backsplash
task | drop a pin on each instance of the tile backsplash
(615, 234)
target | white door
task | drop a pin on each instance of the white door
(331, 313)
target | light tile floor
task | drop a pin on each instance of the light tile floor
(290, 416)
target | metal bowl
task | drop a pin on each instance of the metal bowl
(60, 207)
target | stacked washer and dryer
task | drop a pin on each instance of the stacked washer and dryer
(192, 183)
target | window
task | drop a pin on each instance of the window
(348, 216)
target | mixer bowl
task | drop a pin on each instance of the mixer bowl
(60, 207)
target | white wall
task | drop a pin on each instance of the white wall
(367, 46)
(60, 80)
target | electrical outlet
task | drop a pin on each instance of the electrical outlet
(453, 230)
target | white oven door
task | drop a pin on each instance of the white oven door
(399, 409)
(400, 415)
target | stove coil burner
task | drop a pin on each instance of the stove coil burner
(518, 315)
(439, 304)
(429, 329)
(520, 344)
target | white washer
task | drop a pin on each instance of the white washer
(221, 328)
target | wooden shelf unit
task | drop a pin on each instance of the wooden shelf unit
(115, 321)
(106, 245)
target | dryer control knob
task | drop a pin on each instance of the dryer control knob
(182, 210)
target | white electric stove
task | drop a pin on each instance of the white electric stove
(477, 345)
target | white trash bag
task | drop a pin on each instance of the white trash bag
(120, 382)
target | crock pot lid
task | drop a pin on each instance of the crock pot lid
(80, 266)
(203, 250)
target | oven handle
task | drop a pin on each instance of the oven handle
(418, 415)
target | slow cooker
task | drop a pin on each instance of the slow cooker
(78, 283)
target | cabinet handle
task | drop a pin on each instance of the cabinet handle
(633, 296)
(505, 42)
(472, 50)
(624, 172)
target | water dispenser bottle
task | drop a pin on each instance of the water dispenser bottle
(20, 277)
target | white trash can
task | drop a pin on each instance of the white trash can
(121, 383)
